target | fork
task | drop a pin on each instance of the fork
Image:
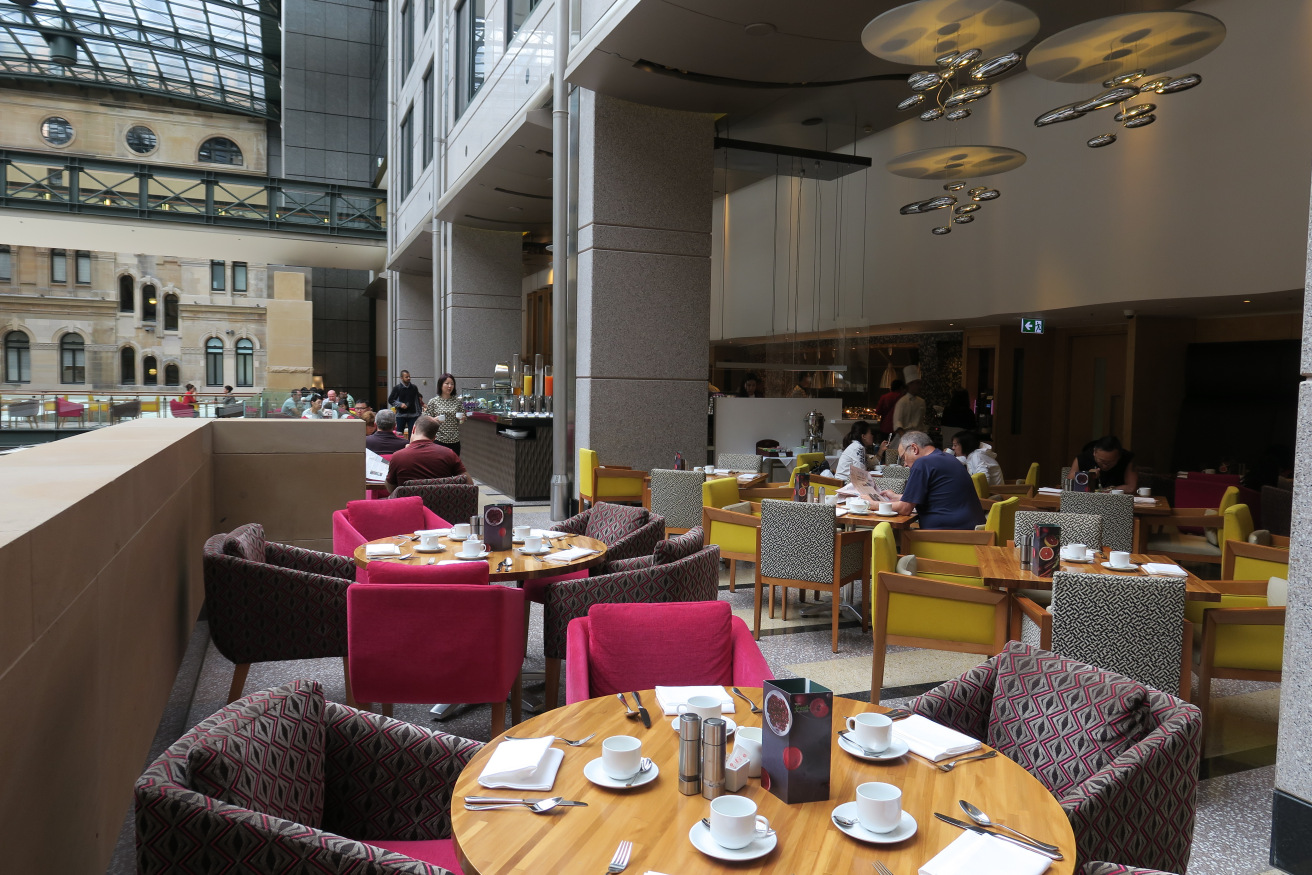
(620, 861)
(581, 741)
(881, 868)
(947, 767)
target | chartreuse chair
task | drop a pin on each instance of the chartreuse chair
(981, 484)
(931, 610)
(734, 532)
(947, 554)
(1001, 520)
(1176, 540)
(614, 483)
(1032, 476)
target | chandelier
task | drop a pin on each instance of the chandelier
(956, 164)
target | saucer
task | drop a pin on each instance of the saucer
(905, 828)
(527, 552)
(597, 775)
(458, 537)
(482, 555)
(896, 748)
(884, 512)
(438, 549)
(1111, 567)
(1086, 559)
(728, 729)
(700, 836)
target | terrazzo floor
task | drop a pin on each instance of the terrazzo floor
(1234, 798)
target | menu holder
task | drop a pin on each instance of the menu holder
(801, 486)
(795, 743)
(498, 526)
(1047, 550)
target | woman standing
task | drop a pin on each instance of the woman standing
(449, 411)
(852, 464)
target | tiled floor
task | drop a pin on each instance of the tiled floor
(1234, 806)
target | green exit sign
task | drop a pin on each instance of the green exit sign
(1031, 326)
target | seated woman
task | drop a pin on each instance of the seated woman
(1112, 463)
(966, 446)
(852, 464)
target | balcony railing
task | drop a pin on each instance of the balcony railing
(39, 410)
(122, 189)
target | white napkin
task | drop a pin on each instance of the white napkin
(523, 764)
(670, 698)
(931, 740)
(441, 533)
(743, 478)
(974, 854)
(373, 551)
(1163, 569)
(570, 555)
(1047, 490)
(1145, 500)
(547, 533)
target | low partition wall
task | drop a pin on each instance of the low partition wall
(101, 584)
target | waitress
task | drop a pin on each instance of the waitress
(852, 464)
(449, 411)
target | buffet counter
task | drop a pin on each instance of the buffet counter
(509, 453)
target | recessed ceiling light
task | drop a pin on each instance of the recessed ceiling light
(759, 28)
(1246, 301)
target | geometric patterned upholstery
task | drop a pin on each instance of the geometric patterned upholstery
(1140, 807)
(1076, 528)
(749, 462)
(246, 542)
(455, 502)
(1117, 512)
(181, 829)
(677, 496)
(1117, 869)
(289, 605)
(1130, 625)
(626, 531)
(797, 541)
(678, 547)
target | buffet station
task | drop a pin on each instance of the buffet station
(506, 441)
(796, 424)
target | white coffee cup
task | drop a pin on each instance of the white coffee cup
(858, 505)
(872, 731)
(831, 500)
(735, 823)
(472, 547)
(1145, 491)
(748, 740)
(885, 507)
(1116, 491)
(1119, 559)
(878, 806)
(441, 417)
(430, 539)
(621, 755)
(460, 530)
(704, 707)
(1076, 552)
(521, 532)
(533, 543)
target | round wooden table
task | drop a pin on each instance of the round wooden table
(522, 567)
(656, 817)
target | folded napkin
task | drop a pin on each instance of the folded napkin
(1047, 490)
(972, 853)
(441, 533)
(743, 478)
(523, 764)
(1144, 500)
(373, 551)
(1163, 569)
(670, 698)
(570, 555)
(931, 740)
(546, 533)
(721, 471)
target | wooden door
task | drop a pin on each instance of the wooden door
(1096, 391)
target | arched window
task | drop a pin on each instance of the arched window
(149, 301)
(127, 366)
(149, 371)
(171, 375)
(214, 362)
(170, 312)
(220, 150)
(72, 359)
(18, 358)
(245, 363)
(127, 293)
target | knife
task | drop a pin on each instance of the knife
(476, 803)
(1055, 855)
(642, 712)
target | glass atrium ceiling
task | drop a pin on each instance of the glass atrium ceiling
(220, 53)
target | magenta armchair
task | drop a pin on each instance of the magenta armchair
(422, 642)
(363, 521)
(69, 410)
(621, 647)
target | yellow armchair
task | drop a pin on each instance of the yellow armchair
(1241, 638)
(1032, 476)
(947, 555)
(734, 533)
(614, 483)
(1245, 561)
(981, 482)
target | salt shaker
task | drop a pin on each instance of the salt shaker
(713, 735)
(690, 754)
(1025, 543)
(476, 526)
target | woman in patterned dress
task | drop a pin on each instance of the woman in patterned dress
(449, 411)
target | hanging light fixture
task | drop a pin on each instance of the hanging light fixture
(956, 164)
(970, 42)
(1127, 54)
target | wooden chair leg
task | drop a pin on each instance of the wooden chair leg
(239, 672)
(783, 594)
(756, 606)
(346, 676)
(553, 684)
(835, 598)
(517, 700)
(387, 709)
(772, 601)
(1187, 662)
(733, 574)
(865, 604)
(498, 718)
(879, 656)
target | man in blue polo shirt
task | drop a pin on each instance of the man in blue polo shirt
(938, 487)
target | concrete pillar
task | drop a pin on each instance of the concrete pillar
(644, 281)
(1291, 823)
(484, 304)
(290, 333)
(413, 296)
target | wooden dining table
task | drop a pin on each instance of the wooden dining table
(1001, 569)
(1143, 513)
(657, 818)
(521, 567)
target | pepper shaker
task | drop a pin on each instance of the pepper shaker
(713, 734)
(1026, 546)
(476, 526)
(690, 754)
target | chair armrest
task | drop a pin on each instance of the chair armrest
(942, 589)
(749, 666)
(940, 566)
(612, 467)
(964, 703)
(309, 561)
(639, 542)
(728, 516)
(1280, 541)
(1242, 617)
(575, 525)
(576, 661)
(1180, 518)
(433, 521)
(345, 537)
(1036, 612)
(613, 472)
(759, 492)
(362, 751)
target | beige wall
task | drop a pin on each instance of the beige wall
(290, 333)
(100, 542)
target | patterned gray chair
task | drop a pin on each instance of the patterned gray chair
(749, 462)
(1130, 625)
(1117, 512)
(452, 498)
(677, 496)
(285, 781)
(1076, 528)
(1096, 868)
(800, 546)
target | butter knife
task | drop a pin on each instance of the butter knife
(1055, 855)
(642, 712)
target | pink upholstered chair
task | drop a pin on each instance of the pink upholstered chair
(363, 521)
(181, 410)
(427, 635)
(69, 410)
(378, 493)
(617, 648)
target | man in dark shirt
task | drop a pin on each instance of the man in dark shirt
(408, 402)
(938, 487)
(385, 441)
(425, 460)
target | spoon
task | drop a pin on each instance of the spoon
(643, 767)
(632, 715)
(844, 821)
(542, 806)
(850, 739)
(982, 819)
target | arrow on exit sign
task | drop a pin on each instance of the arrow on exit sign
(1031, 326)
